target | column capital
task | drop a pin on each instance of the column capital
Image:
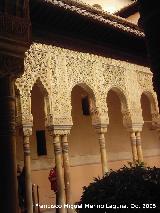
(58, 120)
(98, 114)
(132, 118)
(59, 129)
(99, 118)
(27, 130)
(135, 127)
(101, 127)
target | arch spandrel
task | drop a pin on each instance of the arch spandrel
(38, 63)
(144, 79)
(133, 89)
(38, 67)
(114, 75)
(25, 100)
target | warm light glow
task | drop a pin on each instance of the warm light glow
(111, 9)
(110, 6)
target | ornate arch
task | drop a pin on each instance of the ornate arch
(146, 87)
(47, 99)
(124, 104)
(122, 96)
(152, 97)
(41, 86)
(98, 115)
(60, 69)
(38, 68)
(87, 87)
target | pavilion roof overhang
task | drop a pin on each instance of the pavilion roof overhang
(128, 10)
(76, 20)
(90, 13)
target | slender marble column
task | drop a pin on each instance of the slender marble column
(8, 174)
(133, 146)
(139, 147)
(59, 172)
(103, 152)
(65, 148)
(27, 168)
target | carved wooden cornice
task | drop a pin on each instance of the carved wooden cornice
(98, 15)
(14, 27)
(14, 36)
(128, 10)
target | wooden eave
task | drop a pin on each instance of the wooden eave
(50, 19)
(127, 11)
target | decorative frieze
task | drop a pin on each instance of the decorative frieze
(59, 70)
(15, 26)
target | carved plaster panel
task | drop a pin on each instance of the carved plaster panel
(61, 69)
(146, 87)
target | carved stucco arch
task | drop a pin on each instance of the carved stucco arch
(124, 104)
(26, 116)
(61, 69)
(152, 98)
(47, 99)
(38, 81)
(98, 106)
(122, 96)
(38, 67)
(87, 87)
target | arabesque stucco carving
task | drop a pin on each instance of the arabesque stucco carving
(59, 70)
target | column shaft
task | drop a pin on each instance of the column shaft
(66, 164)
(103, 152)
(139, 147)
(134, 147)
(59, 172)
(27, 168)
(8, 175)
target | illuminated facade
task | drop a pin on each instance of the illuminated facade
(85, 101)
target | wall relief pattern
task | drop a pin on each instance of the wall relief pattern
(59, 70)
(145, 83)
